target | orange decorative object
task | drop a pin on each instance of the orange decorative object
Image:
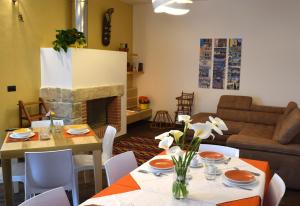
(144, 100)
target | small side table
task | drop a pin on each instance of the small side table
(162, 120)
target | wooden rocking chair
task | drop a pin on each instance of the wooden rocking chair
(184, 104)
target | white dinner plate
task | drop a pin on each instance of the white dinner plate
(17, 136)
(74, 131)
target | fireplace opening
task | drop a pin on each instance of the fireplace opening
(97, 112)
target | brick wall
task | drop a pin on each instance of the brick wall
(113, 115)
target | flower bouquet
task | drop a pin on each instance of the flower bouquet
(181, 158)
(144, 102)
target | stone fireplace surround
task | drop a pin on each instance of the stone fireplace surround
(70, 105)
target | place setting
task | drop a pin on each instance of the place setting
(77, 130)
(241, 179)
(21, 135)
(159, 167)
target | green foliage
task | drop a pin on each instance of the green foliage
(65, 38)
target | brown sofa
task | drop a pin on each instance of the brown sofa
(254, 130)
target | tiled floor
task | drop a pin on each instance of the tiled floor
(86, 190)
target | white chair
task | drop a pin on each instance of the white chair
(276, 191)
(52, 197)
(46, 123)
(119, 165)
(18, 174)
(227, 151)
(48, 170)
(85, 161)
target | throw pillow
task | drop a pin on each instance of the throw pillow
(289, 108)
(289, 128)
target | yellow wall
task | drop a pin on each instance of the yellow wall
(121, 30)
(20, 44)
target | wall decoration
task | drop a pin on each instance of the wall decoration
(220, 47)
(205, 63)
(234, 64)
(106, 27)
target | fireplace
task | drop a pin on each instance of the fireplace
(71, 80)
(96, 109)
(96, 106)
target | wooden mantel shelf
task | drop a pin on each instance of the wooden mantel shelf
(137, 115)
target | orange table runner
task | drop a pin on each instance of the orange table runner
(34, 138)
(127, 183)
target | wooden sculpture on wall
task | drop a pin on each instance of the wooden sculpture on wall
(106, 27)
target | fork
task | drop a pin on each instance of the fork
(238, 186)
(158, 174)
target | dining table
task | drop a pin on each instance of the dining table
(58, 139)
(143, 189)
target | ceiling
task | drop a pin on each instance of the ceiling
(137, 1)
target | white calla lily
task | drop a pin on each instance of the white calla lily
(184, 118)
(162, 136)
(175, 150)
(202, 130)
(176, 134)
(214, 127)
(166, 142)
(218, 122)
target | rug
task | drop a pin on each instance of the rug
(144, 148)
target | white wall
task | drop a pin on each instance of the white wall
(169, 48)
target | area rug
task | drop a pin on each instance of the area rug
(144, 148)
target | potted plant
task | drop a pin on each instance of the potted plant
(144, 102)
(67, 38)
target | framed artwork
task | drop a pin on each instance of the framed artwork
(205, 63)
(220, 49)
(220, 63)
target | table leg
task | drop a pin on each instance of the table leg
(97, 170)
(6, 170)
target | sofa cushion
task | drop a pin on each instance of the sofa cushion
(270, 109)
(258, 130)
(262, 144)
(235, 102)
(267, 118)
(234, 127)
(289, 127)
(201, 117)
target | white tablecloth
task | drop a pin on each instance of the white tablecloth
(142, 198)
(157, 190)
(200, 188)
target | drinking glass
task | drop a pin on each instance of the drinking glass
(210, 169)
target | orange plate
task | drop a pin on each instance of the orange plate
(162, 164)
(240, 176)
(211, 155)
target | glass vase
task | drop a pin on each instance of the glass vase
(180, 186)
(52, 127)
